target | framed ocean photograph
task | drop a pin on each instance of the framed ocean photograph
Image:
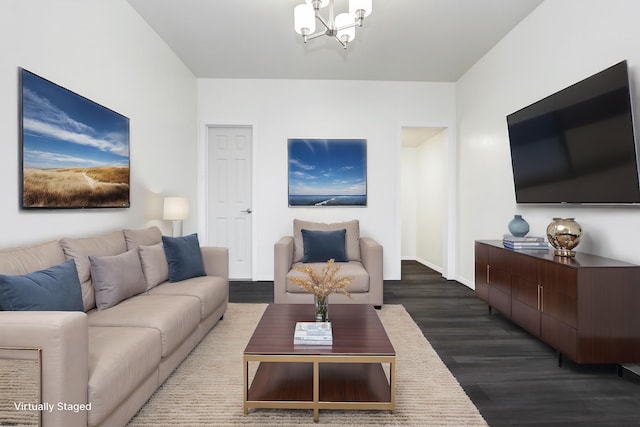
(327, 172)
(75, 153)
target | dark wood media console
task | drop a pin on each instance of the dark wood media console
(586, 307)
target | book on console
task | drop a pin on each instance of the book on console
(313, 333)
(512, 238)
(525, 245)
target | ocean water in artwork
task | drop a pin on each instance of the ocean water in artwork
(328, 200)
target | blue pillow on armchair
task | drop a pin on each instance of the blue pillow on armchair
(56, 288)
(321, 246)
(184, 257)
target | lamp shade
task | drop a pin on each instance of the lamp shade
(342, 20)
(304, 17)
(355, 5)
(175, 208)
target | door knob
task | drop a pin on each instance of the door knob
(248, 210)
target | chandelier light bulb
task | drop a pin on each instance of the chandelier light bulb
(348, 34)
(304, 20)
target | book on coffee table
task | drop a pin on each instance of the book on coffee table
(313, 333)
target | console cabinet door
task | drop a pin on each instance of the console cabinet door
(526, 293)
(500, 262)
(482, 271)
(559, 307)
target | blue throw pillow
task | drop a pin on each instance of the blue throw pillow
(54, 289)
(321, 246)
(183, 256)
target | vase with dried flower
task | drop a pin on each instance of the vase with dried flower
(322, 284)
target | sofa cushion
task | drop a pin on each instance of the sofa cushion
(154, 265)
(360, 283)
(56, 288)
(184, 257)
(79, 250)
(145, 237)
(211, 291)
(352, 237)
(176, 317)
(321, 246)
(117, 366)
(116, 278)
(26, 259)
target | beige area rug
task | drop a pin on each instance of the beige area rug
(19, 386)
(206, 389)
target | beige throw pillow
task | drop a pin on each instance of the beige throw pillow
(154, 265)
(144, 237)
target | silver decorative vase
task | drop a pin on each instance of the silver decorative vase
(564, 235)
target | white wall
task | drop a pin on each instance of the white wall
(432, 196)
(104, 51)
(560, 43)
(409, 194)
(425, 189)
(282, 109)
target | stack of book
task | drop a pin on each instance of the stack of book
(527, 242)
(313, 333)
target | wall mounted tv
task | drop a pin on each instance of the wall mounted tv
(577, 146)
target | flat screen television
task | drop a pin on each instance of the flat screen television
(577, 146)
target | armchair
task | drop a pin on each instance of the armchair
(364, 262)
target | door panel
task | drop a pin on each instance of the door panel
(229, 195)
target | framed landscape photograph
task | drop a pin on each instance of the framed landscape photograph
(327, 172)
(75, 153)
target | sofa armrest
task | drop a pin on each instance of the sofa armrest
(216, 261)
(371, 253)
(63, 337)
(282, 263)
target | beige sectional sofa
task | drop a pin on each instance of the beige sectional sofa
(112, 355)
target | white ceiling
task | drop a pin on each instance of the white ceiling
(402, 40)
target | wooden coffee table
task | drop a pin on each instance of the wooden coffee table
(346, 375)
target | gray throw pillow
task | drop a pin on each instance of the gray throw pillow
(116, 278)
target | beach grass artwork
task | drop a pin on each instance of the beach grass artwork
(327, 172)
(75, 153)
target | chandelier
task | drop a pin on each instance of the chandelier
(341, 27)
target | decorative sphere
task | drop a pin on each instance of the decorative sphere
(564, 235)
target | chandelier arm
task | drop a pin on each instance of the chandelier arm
(344, 27)
(344, 45)
(323, 22)
(316, 35)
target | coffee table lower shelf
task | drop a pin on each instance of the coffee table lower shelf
(320, 382)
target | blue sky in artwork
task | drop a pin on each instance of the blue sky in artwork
(327, 167)
(64, 130)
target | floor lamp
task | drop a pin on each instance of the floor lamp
(175, 210)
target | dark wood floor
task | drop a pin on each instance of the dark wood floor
(513, 378)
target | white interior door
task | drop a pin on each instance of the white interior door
(229, 195)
